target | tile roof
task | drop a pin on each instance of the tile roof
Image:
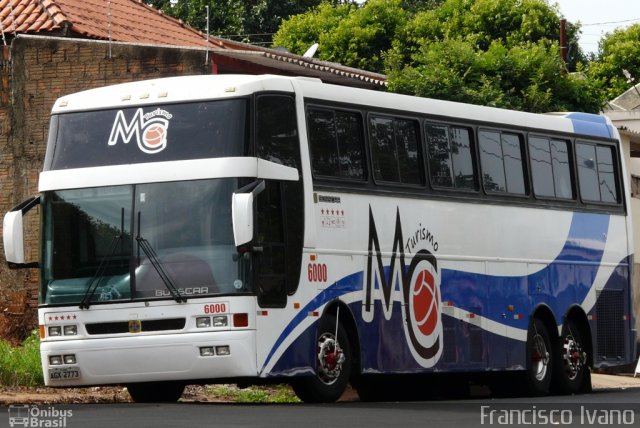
(125, 20)
(132, 21)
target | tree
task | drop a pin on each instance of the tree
(503, 53)
(617, 51)
(347, 33)
(250, 21)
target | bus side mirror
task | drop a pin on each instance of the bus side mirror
(242, 215)
(242, 211)
(13, 234)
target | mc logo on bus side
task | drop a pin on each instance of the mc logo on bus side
(150, 129)
(420, 295)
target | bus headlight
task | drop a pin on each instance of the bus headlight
(203, 322)
(55, 330)
(220, 321)
(70, 330)
(206, 351)
(69, 359)
(223, 350)
(55, 360)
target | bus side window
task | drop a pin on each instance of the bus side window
(550, 168)
(395, 150)
(280, 207)
(501, 161)
(336, 143)
(596, 173)
(450, 156)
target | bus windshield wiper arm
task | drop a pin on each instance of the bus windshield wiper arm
(155, 262)
(95, 280)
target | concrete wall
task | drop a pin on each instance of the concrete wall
(34, 72)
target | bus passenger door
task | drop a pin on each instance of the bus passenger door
(279, 224)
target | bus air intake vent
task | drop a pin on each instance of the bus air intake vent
(146, 325)
(610, 324)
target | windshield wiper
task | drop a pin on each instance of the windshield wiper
(95, 280)
(155, 262)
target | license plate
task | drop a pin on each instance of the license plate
(64, 373)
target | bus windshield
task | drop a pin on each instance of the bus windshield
(95, 239)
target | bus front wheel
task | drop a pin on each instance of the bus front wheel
(539, 359)
(333, 365)
(155, 392)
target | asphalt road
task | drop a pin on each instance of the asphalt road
(602, 408)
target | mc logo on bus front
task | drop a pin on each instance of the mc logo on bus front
(420, 295)
(149, 129)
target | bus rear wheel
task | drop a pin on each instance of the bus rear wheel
(539, 359)
(155, 392)
(333, 365)
(571, 366)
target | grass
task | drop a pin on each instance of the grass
(254, 394)
(20, 366)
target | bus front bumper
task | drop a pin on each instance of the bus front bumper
(149, 358)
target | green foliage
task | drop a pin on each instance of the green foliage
(617, 51)
(20, 366)
(255, 394)
(347, 33)
(502, 53)
(249, 20)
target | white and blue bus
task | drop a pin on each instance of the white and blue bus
(255, 229)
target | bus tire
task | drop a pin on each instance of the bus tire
(333, 368)
(539, 359)
(571, 370)
(155, 392)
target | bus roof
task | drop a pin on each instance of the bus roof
(204, 87)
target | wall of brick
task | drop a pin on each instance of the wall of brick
(34, 72)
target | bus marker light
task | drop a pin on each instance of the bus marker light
(203, 322)
(55, 331)
(314, 314)
(518, 317)
(55, 360)
(262, 313)
(70, 359)
(510, 308)
(296, 305)
(42, 331)
(220, 321)
(206, 351)
(223, 350)
(241, 320)
(230, 89)
(312, 257)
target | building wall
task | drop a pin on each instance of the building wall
(34, 72)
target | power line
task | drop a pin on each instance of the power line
(611, 22)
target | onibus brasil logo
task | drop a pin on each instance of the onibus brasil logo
(149, 129)
(420, 296)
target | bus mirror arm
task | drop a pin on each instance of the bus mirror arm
(13, 235)
(242, 211)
